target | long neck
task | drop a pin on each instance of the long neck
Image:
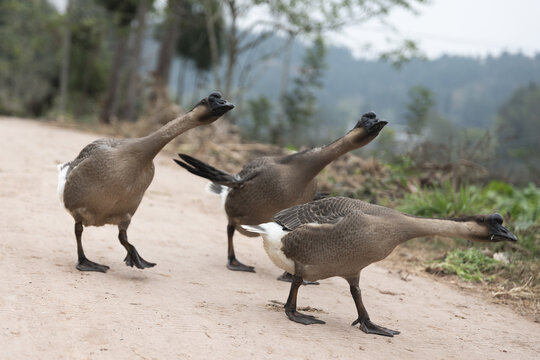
(149, 146)
(413, 227)
(313, 161)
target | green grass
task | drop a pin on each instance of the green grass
(469, 264)
(519, 206)
(443, 202)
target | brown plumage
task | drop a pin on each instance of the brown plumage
(267, 185)
(106, 182)
(339, 236)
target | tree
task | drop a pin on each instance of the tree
(300, 103)
(133, 81)
(260, 110)
(518, 126)
(29, 75)
(294, 18)
(123, 12)
(66, 44)
(88, 58)
(419, 109)
(171, 31)
(197, 39)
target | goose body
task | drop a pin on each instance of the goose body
(267, 185)
(103, 188)
(106, 182)
(339, 236)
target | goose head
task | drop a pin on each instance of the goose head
(367, 129)
(489, 228)
(211, 108)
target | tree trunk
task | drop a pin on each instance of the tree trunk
(111, 99)
(133, 81)
(196, 87)
(65, 60)
(181, 80)
(232, 48)
(168, 44)
(285, 68)
(210, 29)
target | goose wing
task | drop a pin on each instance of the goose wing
(331, 244)
(324, 211)
(94, 147)
(254, 168)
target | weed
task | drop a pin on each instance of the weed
(470, 265)
(443, 202)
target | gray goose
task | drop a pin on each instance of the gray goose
(107, 180)
(267, 185)
(339, 236)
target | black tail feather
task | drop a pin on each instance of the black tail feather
(206, 171)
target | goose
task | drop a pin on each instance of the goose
(107, 180)
(339, 236)
(267, 185)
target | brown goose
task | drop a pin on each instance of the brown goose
(340, 236)
(267, 185)
(107, 180)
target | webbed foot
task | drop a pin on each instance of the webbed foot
(287, 277)
(134, 259)
(302, 318)
(370, 328)
(235, 265)
(87, 265)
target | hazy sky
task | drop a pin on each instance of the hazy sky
(462, 27)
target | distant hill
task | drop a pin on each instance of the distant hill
(468, 91)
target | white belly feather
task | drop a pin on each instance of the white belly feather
(272, 233)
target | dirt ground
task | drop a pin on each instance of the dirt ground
(190, 306)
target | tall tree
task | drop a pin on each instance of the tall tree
(133, 80)
(300, 104)
(518, 126)
(168, 33)
(419, 108)
(123, 12)
(197, 40)
(29, 75)
(173, 18)
(89, 58)
(293, 17)
(66, 45)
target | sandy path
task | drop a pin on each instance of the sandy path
(189, 305)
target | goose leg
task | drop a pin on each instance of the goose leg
(232, 263)
(290, 306)
(132, 258)
(83, 264)
(363, 318)
(287, 277)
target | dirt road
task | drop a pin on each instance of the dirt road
(190, 306)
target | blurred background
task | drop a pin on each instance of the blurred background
(459, 82)
(459, 78)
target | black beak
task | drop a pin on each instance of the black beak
(498, 231)
(218, 105)
(371, 123)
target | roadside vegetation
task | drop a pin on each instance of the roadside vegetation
(508, 271)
